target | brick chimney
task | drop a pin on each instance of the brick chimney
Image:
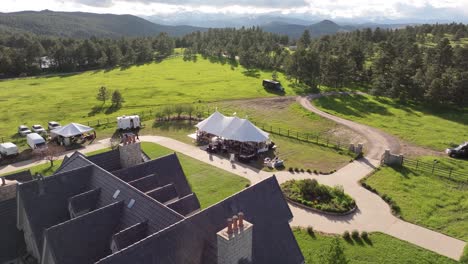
(235, 242)
(130, 152)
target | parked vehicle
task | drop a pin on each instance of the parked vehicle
(38, 129)
(8, 149)
(273, 85)
(128, 122)
(35, 141)
(458, 152)
(53, 125)
(23, 130)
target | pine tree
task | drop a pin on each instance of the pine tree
(103, 94)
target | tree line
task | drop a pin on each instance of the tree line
(23, 54)
(420, 63)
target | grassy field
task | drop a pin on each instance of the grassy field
(72, 97)
(425, 199)
(424, 126)
(209, 183)
(381, 249)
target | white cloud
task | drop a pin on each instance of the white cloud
(336, 9)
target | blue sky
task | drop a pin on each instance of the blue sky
(408, 10)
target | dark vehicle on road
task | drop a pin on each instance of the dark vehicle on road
(273, 85)
(458, 152)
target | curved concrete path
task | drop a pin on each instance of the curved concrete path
(373, 213)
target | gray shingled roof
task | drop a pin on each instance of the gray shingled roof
(85, 239)
(110, 160)
(22, 176)
(193, 240)
(131, 235)
(167, 169)
(11, 239)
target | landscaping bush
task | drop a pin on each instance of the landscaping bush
(309, 171)
(364, 235)
(312, 194)
(291, 169)
(296, 169)
(315, 172)
(310, 231)
(302, 170)
(346, 235)
(355, 235)
(247, 185)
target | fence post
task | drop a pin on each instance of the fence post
(317, 140)
(417, 164)
(433, 167)
(88, 123)
(450, 173)
(327, 140)
(98, 122)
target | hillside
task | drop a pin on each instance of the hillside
(85, 25)
(325, 27)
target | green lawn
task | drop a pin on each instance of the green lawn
(425, 199)
(72, 97)
(425, 126)
(280, 113)
(380, 250)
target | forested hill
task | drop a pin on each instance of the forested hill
(85, 25)
(325, 27)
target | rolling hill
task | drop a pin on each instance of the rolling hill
(85, 25)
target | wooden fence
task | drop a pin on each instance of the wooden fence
(437, 169)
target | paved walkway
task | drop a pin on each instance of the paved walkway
(373, 213)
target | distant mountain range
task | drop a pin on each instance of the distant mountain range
(85, 25)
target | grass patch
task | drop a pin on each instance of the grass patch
(378, 248)
(426, 199)
(312, 194)
(71, 97)
(426, 126)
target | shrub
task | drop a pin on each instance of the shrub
(291, 169)
(302, 170)
(346, 235)
(247, 185)
(296, 169)
(309, 171)
(364, 235)
(315, 172)
(310, 231)
(355, 235)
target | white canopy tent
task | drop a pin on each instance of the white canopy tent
(232, 128)
(71, 130)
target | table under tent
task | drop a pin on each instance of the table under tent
(233, 135)
(72, 133)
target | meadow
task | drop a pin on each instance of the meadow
(428, 126)
(72, 97)
(379, 249)
(425, 199)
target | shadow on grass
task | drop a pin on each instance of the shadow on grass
(112, 109)
(254, 73)
(303, 89)
(95, 110)
(354, 105)
(181, 125)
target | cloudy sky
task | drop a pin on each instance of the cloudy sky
(417, 10)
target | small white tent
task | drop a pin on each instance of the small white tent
(71, 130)
(232, 128)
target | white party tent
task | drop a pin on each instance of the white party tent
(71, 130)
(232, 128)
